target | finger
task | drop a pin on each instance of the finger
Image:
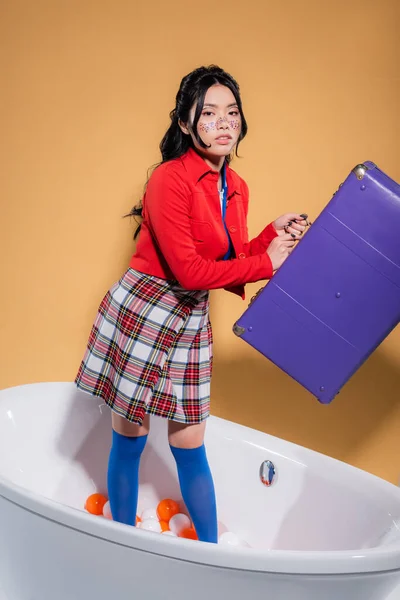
(304, 221)
(286, 237)
(299, 225)
(295, 216)
(294, 227)
(295, 230)
(290, 242)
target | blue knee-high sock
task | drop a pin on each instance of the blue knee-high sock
(197, 489)
(123, 476)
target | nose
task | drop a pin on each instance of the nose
(222, 123)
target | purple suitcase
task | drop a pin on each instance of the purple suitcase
(337, 296)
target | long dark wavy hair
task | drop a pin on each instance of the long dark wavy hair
(192, 90)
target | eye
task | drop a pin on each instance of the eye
(234, 113)
(207, 113)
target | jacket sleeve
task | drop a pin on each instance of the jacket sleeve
(167, 209)
(259, 244)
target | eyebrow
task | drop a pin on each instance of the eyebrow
(215, 106)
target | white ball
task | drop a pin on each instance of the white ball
(178, 523)
(170, 533)
(151, 525)
(149, 513)
(229, 539)
(107, 511)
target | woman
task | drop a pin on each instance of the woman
(150, 348)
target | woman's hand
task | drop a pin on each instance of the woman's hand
(280, 248)
(291, 223)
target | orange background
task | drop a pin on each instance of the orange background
(86, 92)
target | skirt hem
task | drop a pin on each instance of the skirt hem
(147, 411)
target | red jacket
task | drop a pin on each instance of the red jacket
(183, 237)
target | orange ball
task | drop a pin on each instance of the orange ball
(166, 509)
(189, 534)
(164, 526)
(95, 504)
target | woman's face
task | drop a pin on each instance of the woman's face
(219, 124)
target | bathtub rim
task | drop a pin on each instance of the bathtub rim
(299, 562)
(289, 562)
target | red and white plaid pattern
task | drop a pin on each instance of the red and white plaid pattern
(150, 350)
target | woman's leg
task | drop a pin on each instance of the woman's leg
(197, 486)
(128, 442)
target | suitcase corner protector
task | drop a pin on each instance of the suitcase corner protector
(238, 330)
(360, 169)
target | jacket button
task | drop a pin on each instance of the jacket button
(242, 255)
(232, 229)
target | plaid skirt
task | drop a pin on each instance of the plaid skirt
(150, 350)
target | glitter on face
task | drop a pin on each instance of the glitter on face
(235, 125)
(221, 121)
(206, 127)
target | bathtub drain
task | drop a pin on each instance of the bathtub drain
(267, 473)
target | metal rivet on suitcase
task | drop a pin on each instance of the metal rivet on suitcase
(322, 388)
(363, 187)
(267, 473)
(250, 328)
(338, 294)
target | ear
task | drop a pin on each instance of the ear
(183, 127)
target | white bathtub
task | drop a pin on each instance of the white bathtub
(317, 533)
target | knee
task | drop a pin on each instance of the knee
(128, 447)
(185, 436)
(124, 427)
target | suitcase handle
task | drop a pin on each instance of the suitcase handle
(256, 294)
(304, 216)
